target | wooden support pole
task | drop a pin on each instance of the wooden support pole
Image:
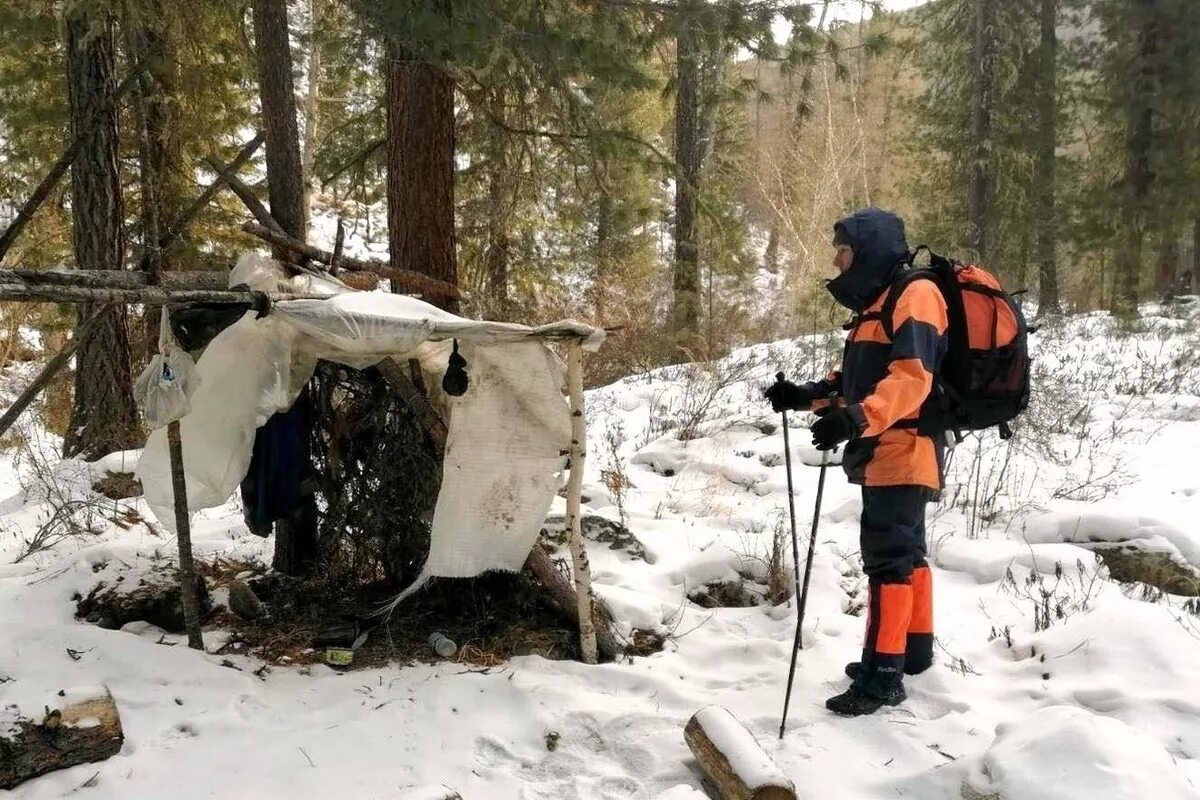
(183, 534)
(579, 558)
(25, 214)
(733, 760)
(45, 376)
(181, 222)
(401, 278)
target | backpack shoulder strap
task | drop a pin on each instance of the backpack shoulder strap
(901, 283)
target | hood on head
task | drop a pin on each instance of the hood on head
(880, 250)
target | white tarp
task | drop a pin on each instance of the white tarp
(508, 435)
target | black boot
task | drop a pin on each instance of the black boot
(854, 668)
(866, 696)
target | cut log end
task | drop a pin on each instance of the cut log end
(732, 759)
(83, 732)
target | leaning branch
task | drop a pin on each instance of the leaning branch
(47, 374)
(180, 223)
(56, 172)
(401, 278)
(245, 194)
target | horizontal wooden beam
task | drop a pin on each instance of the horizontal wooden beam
(115, 279)
(148, 295)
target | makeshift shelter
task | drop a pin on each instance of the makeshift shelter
(510, 435)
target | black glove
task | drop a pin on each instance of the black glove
(787, 396)
(833, 428)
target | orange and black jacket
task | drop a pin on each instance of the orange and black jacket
(885, 380)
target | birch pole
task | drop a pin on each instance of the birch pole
(579, 559)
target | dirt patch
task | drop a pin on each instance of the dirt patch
(491, 619)
(1129, 565)
(155, 599)
(118, 486)
(643, 642)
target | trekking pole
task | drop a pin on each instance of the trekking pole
(801, 591)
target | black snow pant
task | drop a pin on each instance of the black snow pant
(899, 636)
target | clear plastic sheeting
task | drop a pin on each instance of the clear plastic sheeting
(508, 436)
(163, 391)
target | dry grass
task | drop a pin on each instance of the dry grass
(1128, 565)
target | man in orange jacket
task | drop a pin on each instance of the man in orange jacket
(881, 388)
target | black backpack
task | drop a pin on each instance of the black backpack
(984, 379)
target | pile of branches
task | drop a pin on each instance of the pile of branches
(378, 475)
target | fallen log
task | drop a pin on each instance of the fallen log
(732, 759)
(82, 732)
(401, 278)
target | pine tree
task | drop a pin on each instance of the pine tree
(1146, 67)
(285, 171)
(981, 180)
(104, 417)
(1047, 159)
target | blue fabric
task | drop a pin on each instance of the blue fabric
(271, 488)
(880, 250)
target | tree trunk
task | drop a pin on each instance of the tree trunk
(979, 177)
(295, 536)
(420, 166)
(1166, 269)
(1045, 176)
(159, 150)
(1193, 282)
(685, 312)
(771, 256)
(285, 171)
(604, 255)
(104, 418)
(316, 9)
(1137, 181)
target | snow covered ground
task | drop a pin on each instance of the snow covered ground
(1052, 682)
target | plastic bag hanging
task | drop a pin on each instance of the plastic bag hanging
(163, 391)
(455, 381)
